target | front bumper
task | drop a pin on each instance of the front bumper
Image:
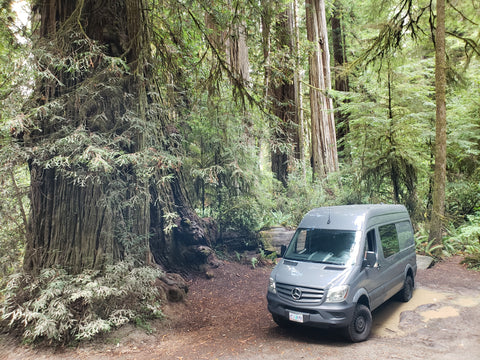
(325, 315)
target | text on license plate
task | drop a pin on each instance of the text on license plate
(295, 317)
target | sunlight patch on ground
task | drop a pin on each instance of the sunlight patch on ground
(386, 319)
(441, 313)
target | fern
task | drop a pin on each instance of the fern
(60, 308)
(466, 235)
(89, 328)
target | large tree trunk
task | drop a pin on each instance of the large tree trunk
(324, 143)
(338, 42)
(299, 149)
(438, 210)
(237, 53)
(282, 87)
(100, 187)
(282, 92)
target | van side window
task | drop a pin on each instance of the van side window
(389, 239)
(371, 244)
(405, 234)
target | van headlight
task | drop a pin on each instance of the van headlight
(337, 293)
(271, 286)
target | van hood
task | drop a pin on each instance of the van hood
(308, 274)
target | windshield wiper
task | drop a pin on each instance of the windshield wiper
(328, 262)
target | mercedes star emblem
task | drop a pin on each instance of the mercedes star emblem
(296, 294)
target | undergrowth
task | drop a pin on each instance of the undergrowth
(466, 240)
(60, 308)
(461, 240)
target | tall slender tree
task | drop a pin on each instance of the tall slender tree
(340, 60)
(324, 144)
(280, 43)
(299, 150)
(282, 93)
(439, 180)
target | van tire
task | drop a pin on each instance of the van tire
(361, 325)
(406, 293)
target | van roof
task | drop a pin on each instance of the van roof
(352, 217)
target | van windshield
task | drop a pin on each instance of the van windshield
(322, 246)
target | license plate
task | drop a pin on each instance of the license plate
(295, 317)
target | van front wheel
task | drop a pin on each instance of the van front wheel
(359, 328)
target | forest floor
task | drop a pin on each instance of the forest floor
(226, 317)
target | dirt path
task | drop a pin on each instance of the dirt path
(226, 318)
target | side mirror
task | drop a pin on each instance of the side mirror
(370, 259)
(283, 249)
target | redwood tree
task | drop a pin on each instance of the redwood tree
(324, 143)
(104, 161)
(282, 96)
(340, 60)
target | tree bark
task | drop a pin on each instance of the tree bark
(340, 59)
(338, 42)
(283, 87)
(324, 144)
(299, 150)
(237, 53)
(282, 92)
(92, 209)
(439, 181)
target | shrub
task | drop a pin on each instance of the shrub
(302, 194)
(467, 236)
(14, 182)
(466, 240)
(60, 308)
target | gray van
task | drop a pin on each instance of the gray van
(341, 264)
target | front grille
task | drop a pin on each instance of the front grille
(308, 294)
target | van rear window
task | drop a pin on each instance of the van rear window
(405, 234)
(322, 246)
(389, 239)
(396, 237)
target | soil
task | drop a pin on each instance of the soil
(226, 317)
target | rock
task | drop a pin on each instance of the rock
(213, 261)
(275, 237)
(424, 262)
(239, 241)
(174, 287)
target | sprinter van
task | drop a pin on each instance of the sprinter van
(341, 264)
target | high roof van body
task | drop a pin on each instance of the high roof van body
(341, 264)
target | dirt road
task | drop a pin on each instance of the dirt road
(226, 318)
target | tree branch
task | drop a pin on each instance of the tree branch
(461, 13)
(468, 42)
